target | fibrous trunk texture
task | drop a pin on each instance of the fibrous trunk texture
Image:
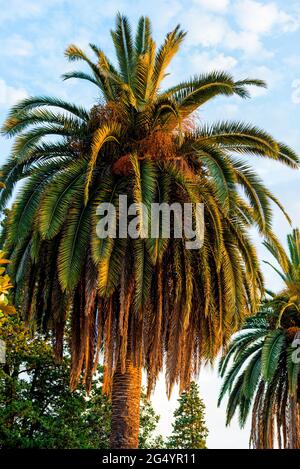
(126, 394)
(294, 424)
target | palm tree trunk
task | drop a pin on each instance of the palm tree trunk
(298, 425)
(126, 394)
(294, 424)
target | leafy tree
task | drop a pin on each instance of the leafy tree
(147, 301)
(189, 429)
(148, 423)
(37, 407)
(5, 286)
(262, 364)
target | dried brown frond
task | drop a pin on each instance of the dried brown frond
(159, 145)
(291, 332)
(106, 113)
(123, 166)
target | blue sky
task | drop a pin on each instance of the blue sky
(246, 37)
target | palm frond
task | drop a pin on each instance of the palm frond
(271, 351)
(105, 134)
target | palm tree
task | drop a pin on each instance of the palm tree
(143, 302)
(265, 369)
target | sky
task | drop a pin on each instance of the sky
(248, 38)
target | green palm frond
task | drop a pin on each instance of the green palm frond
(26, 142)
(293, 369)
(18, 124)
(142, 274)
(144, 190)
(58, 197)
(105, 134)
(256, 194)
(240, 137)
(271, 351)
(164, 56)
(110, 266)
(122, 39)
(28, 201)
(30, 103)
(72, 248)
(194, 93)
(144, 67)
(252, 375)
(220, 171)
(234, 399)
(235, 369)
(78, 75)
(108, 193)
(143, 34)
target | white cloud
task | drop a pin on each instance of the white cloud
(292, 61)
(253, 20)
(213, 5)
(17, 9)
(296, 91)
(261, 18)
(256, 91)
(270, 76)
(246, 41)
(10, 95)
(16, 45)
(203, 28)
(213, 30)
(204, 61)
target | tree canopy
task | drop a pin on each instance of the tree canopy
(189, 429)
(37, 407)
(164, 304)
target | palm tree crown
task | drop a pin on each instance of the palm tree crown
(266, 364)
(151, 298)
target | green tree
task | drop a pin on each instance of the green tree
(147, 301)
(5, 286)
(37, 407)
(42, 411)
(261, 368)
(148, 423)
(189, 429)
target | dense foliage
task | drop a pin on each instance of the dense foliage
(37, 407)
(189, 429)
(152, 297)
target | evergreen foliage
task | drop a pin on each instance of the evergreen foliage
(189, 429)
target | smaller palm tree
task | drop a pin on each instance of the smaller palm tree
(264, 364)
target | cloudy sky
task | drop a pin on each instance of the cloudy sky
(246, 37)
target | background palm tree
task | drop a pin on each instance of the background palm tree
(265, 369)
(146, 302)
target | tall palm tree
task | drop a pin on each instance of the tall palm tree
(144, 302)
(265, 368)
